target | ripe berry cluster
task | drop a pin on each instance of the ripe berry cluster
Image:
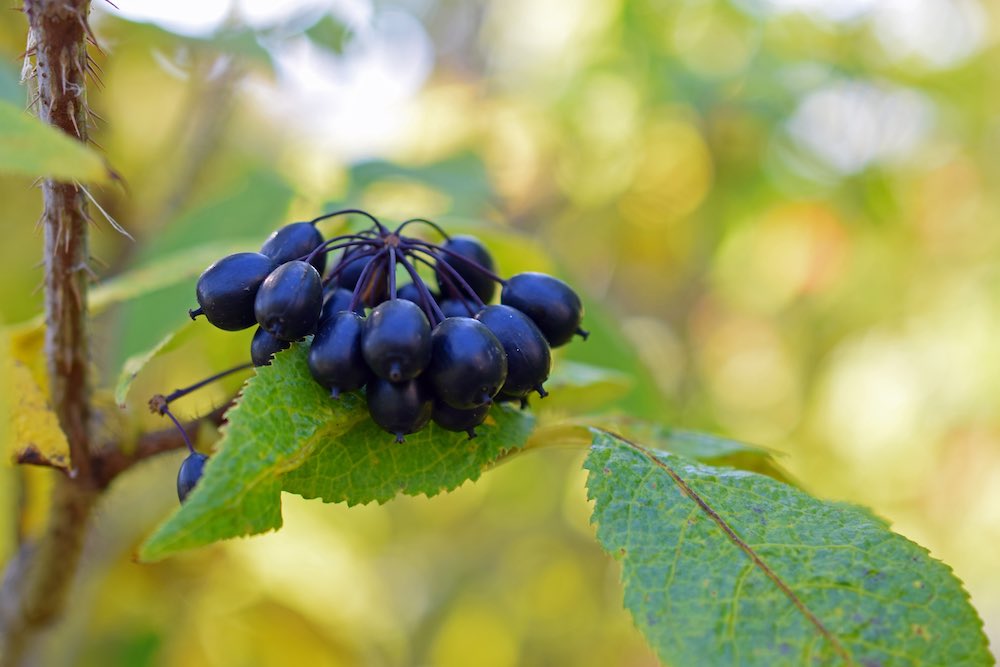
(421, 353)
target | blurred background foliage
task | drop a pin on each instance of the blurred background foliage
(782, 215)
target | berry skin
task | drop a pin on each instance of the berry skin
(295, 241)
(549, 302)
(396, 342)
(411, 292)
(189, 474)
(336, 300)
(226, 290)
(400, 408)
(459, 308)
(264, 346)
(473, 250)
(528, 356)
(453, 419)
(289, 302)
(335, 358)
(468, 364)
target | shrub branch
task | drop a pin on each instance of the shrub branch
(38, 578)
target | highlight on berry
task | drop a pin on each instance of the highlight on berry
(411, 322)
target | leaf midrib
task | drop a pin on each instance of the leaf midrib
(731, 535)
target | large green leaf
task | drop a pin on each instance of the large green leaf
(286, 433)
(368, 465)
(30, 147)
(729, 567)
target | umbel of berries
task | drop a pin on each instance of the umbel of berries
(410, 321)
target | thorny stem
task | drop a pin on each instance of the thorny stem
(38, 578)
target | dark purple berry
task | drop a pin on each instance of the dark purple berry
(264, 346)
(468, 257)
(528, 356)
(289, 302)
(226, 290)
(459, 308)
(468, 364)
(336, 299)
(453, 419)
(396, 342)
(399, 407)
(189, 474)
(549, 302)
(335, 358)
(411, 292)
(295, 241)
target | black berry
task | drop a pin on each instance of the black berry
(468, 364)
(295, 241)
(453, 419)
(411, 292)
(528, 356)
(337, 299)
(459, 308)
(189, 474)
(399, 407)
(264, 346)
(226, 290)
(335, 358)
(396, 342)
(549, 302)
(468, 257)
(289, 302)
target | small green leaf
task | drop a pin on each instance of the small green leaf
(278, 419)
(30, 147)
(366, 464)
(286, 433)
(729, 567)
(134, 364)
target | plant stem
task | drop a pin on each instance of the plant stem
(37, 580)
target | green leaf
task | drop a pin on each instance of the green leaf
(368, 465)
(134, 364)
(278, 419)
(729, 567)
(711, 449)
(286, 433)
(31, 148)
(577, 387)
(462, 178)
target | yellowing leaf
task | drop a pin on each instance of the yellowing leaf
(34, 429)
(30, 147)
